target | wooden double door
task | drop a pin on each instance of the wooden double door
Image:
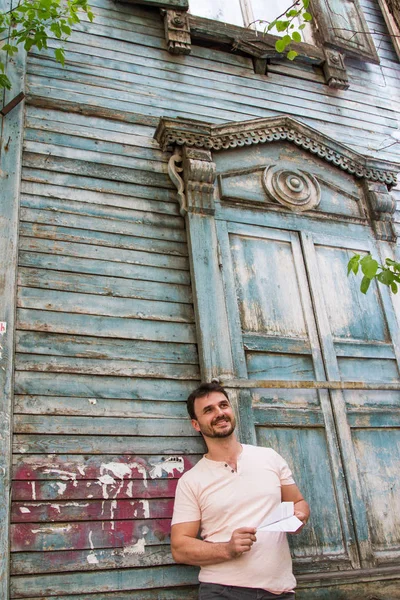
(294, 315)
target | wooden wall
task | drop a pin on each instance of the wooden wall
(106, 344)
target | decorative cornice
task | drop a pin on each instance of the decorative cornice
(200, 134)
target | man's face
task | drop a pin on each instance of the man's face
(214, 416)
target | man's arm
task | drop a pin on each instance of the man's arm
(291, 493)
(187, 549)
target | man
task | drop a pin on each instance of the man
(226, 496)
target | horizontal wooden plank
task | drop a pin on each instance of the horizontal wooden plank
(81, 444)
(92, 366)
(85, 386)
(104, 581)
(89, 251)
(177, 593)
(75, 467)
(91, 510)
(72, 124)
(71, 425)
(374, 418)
(293, 417)
(79, 324)
(113, 193)
(93, 407)
(79, 535)
(95, 237)
(99, 218)
(93, 304)
(64, 135)
(102, 267)
(25, 563)
(67, 488)
(92, 169)
(106, 156)
(103, 348)
(260, 343)
(355, 348)
(116, 287)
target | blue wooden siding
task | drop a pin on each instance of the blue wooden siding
(106, 343)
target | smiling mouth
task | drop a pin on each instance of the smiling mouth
(222, 422)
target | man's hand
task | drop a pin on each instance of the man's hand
(241, 541)
(303, 518)
(291, 493)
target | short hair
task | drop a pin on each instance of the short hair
(203, 390)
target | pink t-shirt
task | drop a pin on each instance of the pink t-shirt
(224, 500)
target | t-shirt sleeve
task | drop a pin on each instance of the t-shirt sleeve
(186, 507)
(285, 474)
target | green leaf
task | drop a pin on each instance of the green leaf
(353, 264)
(386, 277)
(282, 25)
(296, 36)
(306, 3)
(60, 55)
(365, 283)
(280, 46)
(394, 287)
(302, 26)
(5, 82)
(292, 13)
(306, 16)
(369, 266)
(291, 55)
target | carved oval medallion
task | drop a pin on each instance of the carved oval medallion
(293, 188)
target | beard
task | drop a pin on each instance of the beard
(210, 431)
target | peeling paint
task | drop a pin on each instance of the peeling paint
(167, 466)
(91, 558)
(92, 400)
(61, 487)
(56, 507)
(24, 509)
(138, 548)
(33, 486)
(50, 529)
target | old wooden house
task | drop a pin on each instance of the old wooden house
(179, 203)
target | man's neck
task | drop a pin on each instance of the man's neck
(224, 449)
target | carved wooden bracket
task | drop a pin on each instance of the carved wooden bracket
(196, 187)
(382, 207)
(334, 70)
(177, 31)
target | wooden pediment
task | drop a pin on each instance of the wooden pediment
(202, 135)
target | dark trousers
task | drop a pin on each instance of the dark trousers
(214, 591)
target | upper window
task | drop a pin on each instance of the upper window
(245, 13)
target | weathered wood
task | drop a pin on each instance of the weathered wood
(105, 581)
(88, 425)
(95, 510)
(81, 324)
(27, 563)
(68, 488)
(95, 347)
(76, 467)
(107, 306)
(81, 444)
(104, 286)
(102, 267)
(182, 4)
(190, 593)
(10, 176)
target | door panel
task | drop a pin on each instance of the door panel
(273, 318)
(359, 338)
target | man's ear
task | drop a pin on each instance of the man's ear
(195, 424)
